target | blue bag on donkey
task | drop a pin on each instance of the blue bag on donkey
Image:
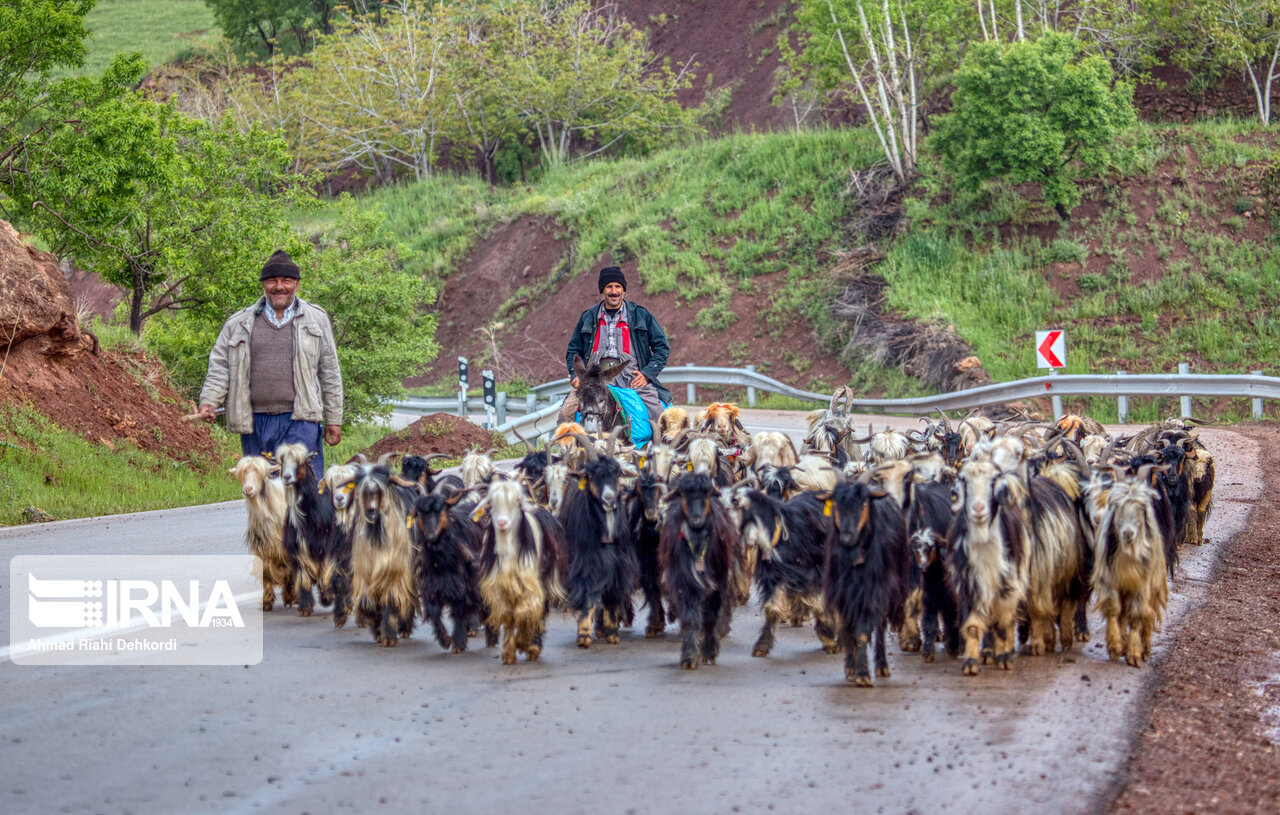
(633, 406)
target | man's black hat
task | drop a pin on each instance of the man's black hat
(611, 274)
(280, 265)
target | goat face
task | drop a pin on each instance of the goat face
(695, 494)
(974, 492)
(252, 472)
(294, 459)
(851, 511)
(601, 479)
(557, 478)
(648, 490)
(430, 515)
(1132, 519)
(340, 481)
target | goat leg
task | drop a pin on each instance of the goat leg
(1082, 622)
(764, 643)
(858, 655)
(711, 618)
(432, 612)
(688, 645)
(909, 637)
(974, 631)
(585, 622)
(826, 633)
(387, 628)
(882, 658)
(461, 622)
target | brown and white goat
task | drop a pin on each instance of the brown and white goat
(384, 591)
(521, 561)
(265, 502)
(1129, 574)
(309, 524)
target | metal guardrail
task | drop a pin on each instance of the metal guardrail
(1120, 385)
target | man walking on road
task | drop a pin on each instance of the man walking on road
(616, 329)
(275, 365)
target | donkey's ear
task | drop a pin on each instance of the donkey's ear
(579, 367)
(608, 374)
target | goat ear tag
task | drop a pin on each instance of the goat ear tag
(690, 466)
(582, 483)
(826, 508)
(477, 515)
(408, 523)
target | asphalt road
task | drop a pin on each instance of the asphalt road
(330, 722)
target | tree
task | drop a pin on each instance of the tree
(162, 205)
(380, 93)
(578, 75)
(1031, 112)
(880, 54)
(258, 25)
(1241, 34)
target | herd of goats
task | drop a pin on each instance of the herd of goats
(977, 535)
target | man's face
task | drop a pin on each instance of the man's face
(280, 291)
(613, 295)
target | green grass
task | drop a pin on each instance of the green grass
(52, 468)
(161, 29)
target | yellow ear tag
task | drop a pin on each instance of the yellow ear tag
(320, 488)
(408, 523)
(690, 466)
(643, 459)
(826, 508)
(477, 515)
(582, 483)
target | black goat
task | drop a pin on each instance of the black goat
(603, 569)
(928, 513)
(447, 545)
(698, 554)
(646, 531)
(865, 574)
(419, 469)
(309, 524)
(790, 537)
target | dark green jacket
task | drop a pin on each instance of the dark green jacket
(648, 342)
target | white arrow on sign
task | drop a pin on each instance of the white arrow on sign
(1051, 349)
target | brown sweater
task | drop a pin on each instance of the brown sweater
(271, 366)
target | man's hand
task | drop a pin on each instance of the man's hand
(332, 434)
(208, 412)
(573, 383)
(638, 381)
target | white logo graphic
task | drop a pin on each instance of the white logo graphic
(134, 610)
(50, 605)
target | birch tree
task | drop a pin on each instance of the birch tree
(1243, 35)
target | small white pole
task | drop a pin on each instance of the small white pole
(1122, 404)
(1185, 368)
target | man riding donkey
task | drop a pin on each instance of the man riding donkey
(618, 332)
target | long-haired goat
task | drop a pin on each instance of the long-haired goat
(384, 592)
(447, 543)
(790, 538)
(671, 422)
(646, 531)
(1129, 574)
(603, 570)
(520, 568)
(987, 563)
(865, 574)
(310, 524)
(1059, 557)
(698, 551)
(265, 503)
(339, 484)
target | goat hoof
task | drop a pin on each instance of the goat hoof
(506, 660)
(1082, 636)
(533, 653)
(459, 649)
(928, 656)
(911, 644)
(689, 664)
(759, 651)
(267, 606)
(1035, 649)
(862, 681)
(584, 641)
(652, 633)
(613, 639)
(830, 649)
(970, 667)
(1134, 660)
(387, 642)
(304, 612)
(1004, 662)
(882, 672)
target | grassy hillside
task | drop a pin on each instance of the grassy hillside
(1171, 257)
(163, 30)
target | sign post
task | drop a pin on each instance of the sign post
(462, 387)
(1051, 353)
(490, 397)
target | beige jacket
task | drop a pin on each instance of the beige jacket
(317, 380)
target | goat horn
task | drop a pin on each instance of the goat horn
(359, 458)
(613, 441)
(946, 422)
(586, 444)
(385, 459)
(529, 447)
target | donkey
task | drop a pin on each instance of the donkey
(601, 413)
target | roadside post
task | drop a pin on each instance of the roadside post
(462, 387)
(1051, 353)
(490, 397)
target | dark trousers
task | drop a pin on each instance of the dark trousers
(270, 430)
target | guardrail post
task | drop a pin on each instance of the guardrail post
(1056, 399)
(1185, 368)
(1122, 404)
(531, 402)
(462, 403)
(1257, 403)
(501, 406)
(751, 392)
(690, 391)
